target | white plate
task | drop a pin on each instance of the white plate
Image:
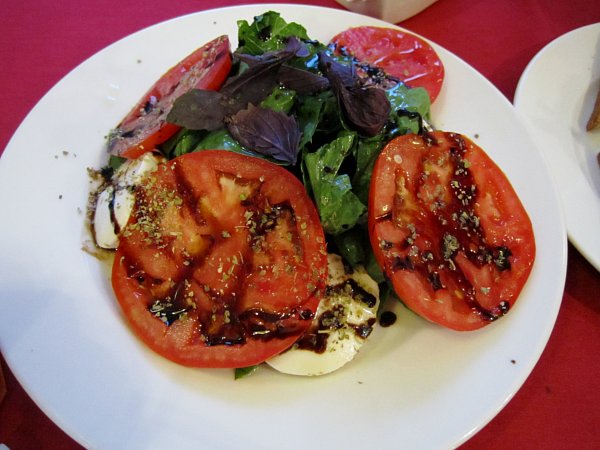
(414, 385)
(556, 95)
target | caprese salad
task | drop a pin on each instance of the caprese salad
(259, 201)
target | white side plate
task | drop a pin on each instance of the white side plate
(556, 95)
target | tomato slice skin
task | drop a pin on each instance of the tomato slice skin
(145, 126)
(224, 261)
(449, 230)
(400, 54)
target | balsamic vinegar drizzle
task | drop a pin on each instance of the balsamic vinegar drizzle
(459, 227)
(225, 324)
(316, 337)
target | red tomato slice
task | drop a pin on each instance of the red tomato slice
(449, 230)
(145, 126)
(398, 53)
(223, 262)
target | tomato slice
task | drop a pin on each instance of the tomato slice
(449, 230)
(398, 53)
(223, 262)
(145, 126)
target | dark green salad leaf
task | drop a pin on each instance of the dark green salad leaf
(219, 139)
(267, 33)
(365, 154)
(245, 371)
(318, 117)
(409, 107)
(339, 207)
(114, 162)
(351, 247)
(281, 99)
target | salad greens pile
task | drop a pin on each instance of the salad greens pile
(311, 108)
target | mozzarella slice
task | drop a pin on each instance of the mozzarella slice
(115, 201)
(123, 205)
(341, 325)
(104, 229)
(131, 172)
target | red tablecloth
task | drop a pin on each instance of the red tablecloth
(558, 406)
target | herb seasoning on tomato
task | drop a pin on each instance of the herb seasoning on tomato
(223, 261)
(449, 230)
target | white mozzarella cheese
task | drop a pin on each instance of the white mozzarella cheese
(341, 325)
(131, 172)
(115, 201)
(104, 229)
(123, 205)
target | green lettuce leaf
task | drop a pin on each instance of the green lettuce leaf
(280, 100)
(266, 33)
(318, 117)
(339, 208)
(219, 140)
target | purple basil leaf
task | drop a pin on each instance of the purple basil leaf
(201, 109)
(206, 110)
(292, 48)
(260, 78)
(267, 132)
(254, 84)
(338, 74)
(265, 59)
(367, 109)
(296, 47)
(302, 81)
